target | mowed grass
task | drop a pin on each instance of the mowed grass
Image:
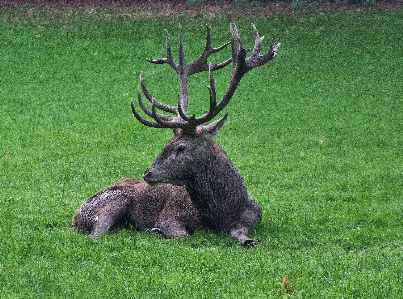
(316, 135)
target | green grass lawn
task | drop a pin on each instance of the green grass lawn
(316, 134)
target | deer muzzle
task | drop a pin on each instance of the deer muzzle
(149, 178)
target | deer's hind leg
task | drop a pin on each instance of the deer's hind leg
(112, 215)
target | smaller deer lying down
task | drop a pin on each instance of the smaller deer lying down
(165, 208)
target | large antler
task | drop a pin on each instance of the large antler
(240, 66)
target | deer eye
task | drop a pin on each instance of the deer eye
(181, 148)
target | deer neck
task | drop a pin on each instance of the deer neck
(216, 187)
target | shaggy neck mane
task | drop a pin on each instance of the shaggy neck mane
(216, 187)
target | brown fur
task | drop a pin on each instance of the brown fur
(164, 208)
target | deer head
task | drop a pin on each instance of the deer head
(191, 127)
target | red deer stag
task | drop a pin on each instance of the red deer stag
(192, 158)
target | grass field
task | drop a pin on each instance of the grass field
(316, 134)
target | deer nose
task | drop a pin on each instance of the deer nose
(147, 176)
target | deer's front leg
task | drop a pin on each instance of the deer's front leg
(240, 233)
(251, 215)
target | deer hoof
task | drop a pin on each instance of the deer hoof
(249, 243)
(157, 232)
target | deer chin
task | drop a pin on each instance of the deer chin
(151, 181)
(155, 182)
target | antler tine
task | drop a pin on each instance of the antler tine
(155, 103)
(152, 100)
(142, 120)
(200, 64)
(182, 62)
(258, 41)
(211, 88)
(217, 66)
(183, 76)
(168, 123)
(169, 59)
(147, 111)
(141, 103)
(209, 115)
(257, 59)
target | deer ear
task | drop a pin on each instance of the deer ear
(176, 132)
(209, 131)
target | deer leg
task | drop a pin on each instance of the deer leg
(108, 218)
(251, 215)
(171, 228)
(177, 217)
(240, 233)
(102, 224)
